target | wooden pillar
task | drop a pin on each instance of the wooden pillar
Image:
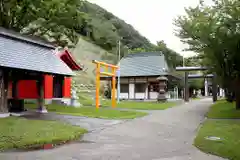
(128, 88)
(97, 85)
(206, 87)
(186, 89)
(214, 88)
(4, 77)
(148, 92)
(15, 104)
(113, 88)
(40, 100)
(134, 82)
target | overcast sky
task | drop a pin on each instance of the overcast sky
(152, 18)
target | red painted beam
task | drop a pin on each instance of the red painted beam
(69, 60)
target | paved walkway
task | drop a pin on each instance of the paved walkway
(91, 124)
(163, 135)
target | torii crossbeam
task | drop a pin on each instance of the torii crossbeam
(187, 76)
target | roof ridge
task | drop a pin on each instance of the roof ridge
(144, 54)
(24, 38)
(144, 64)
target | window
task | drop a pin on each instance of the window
(140, 87)
(124, 88)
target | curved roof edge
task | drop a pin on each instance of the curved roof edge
(66, 57)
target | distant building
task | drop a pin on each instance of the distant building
(139, 73)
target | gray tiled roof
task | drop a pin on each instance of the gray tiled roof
(17, 51)
(143, 64)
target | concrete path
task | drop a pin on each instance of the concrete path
(163, 135)
(91, 124)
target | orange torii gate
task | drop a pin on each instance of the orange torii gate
(106, 73)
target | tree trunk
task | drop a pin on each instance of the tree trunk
(3, 91)
(237, 92)
(229, 95)
(230, 91)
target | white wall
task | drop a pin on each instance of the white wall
(146, 93)
(139, 95)
(123, 95)
(132, 95)
(143, 95)
(153, 95)
(131, 91)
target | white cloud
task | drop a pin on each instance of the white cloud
(152, 18)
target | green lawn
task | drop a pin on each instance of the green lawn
(91, 112)
(141, 105)
(223, 109)
(86, 99)
(228, 130)
(22, 133)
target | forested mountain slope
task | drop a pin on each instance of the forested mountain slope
(88, 30)
(110, 28)
(84, 53)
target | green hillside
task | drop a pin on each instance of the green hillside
(105, 29)
(84, 53)
(99, 36)
(90, 31)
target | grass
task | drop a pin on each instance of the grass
(91, 112)
(85, 99)
(224, 126)
(224, 110)
(141, 105)
(228, 131)
(20, 133)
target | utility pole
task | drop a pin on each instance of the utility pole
(183, 61)
(119, 58)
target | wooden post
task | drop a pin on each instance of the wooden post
(97, 84)
(186, 89)
(134, 81)
(214, 88)
(4, 76)
(40, 89)
(128, 88)
(113, 88)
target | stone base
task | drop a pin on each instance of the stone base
(17, 114)
(43, 110)
(162, 98)
(48, 101)
(4, 115)
(75, 103)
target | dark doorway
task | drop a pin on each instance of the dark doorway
(58, 86)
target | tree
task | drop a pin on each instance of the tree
(102, 23)
(54, 20)
(138, 50)
(214, 33)
(173, 58)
